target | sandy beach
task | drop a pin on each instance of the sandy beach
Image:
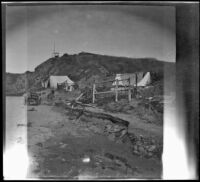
(61, 147)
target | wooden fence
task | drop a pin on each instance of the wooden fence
(115, 90)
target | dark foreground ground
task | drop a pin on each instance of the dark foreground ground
(63, 146)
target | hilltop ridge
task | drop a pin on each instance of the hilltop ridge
(82, 68)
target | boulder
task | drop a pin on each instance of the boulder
(123, 132)
(149, 154)
(135, 147)
(136, 152)
(63, 145)
(141, 149)
(152, 148)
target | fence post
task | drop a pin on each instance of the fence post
(93, 93)
(129, 90)
(136, 78)
(116, 91)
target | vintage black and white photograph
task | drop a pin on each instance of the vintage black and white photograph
(86, 87)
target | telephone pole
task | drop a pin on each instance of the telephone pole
(55, 54)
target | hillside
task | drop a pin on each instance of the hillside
(83, 68)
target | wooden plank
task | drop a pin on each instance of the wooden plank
(79, 97)
(110, 91)
(105, 81)
(113, 91)
(112, 81)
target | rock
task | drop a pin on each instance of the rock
(117, 128)
(136, 152)
(109, 155)
(141, 149)
(98, 158)
(135, 147)
(122, 159)
(147, 148)
(108, 127)
(20, 124)
(32, 109)
(39, 144)
(145, 152)
(63, 160)
(111, 137)
(119, 162)
(152, 148)
(153, 141)
(119, 141)
(118, 134)
(123, 132)
(149, 154)
(63, 146)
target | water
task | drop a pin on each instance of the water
(15, 153)
(16, 113)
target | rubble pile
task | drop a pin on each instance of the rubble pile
(146, 147)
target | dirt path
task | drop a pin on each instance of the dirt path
(66, 148)
(135, 123)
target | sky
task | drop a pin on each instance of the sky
(117, 30)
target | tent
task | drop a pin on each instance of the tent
(142, 79)
(54, 81)
(123, 78)
(145, 80)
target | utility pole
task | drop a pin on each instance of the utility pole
(55, 54)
